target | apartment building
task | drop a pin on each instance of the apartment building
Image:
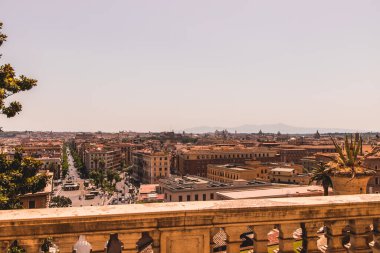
(150, 165)
(295, 153)
(194, 188)
(42, 148)
(194, 160)
(94, 154)
(289, 175)
(227, 173)
(373, 162)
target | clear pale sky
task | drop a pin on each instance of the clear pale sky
(161, 65)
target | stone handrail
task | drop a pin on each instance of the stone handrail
(191, 227)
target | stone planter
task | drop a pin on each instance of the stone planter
(346, 185)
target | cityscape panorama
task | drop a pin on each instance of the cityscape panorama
(209, 126)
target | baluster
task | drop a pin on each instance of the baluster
(66, 243)
(156, 236)
(130, 241)
(360, 235)
(260, 238)
(97, 241)
(286, 239)
(233, 238)
(310, 237)
(334, 234)
(376, 236)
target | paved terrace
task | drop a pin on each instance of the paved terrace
(190, 227)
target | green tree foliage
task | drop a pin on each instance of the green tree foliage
(60, 201)
(105, 179)
(65, 162)
(18, 177)
(11, 84)
(321, 175)
(78, 163)
(15, 248)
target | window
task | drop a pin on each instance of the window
(32, 204)
(377, 181)
(196, 197)
(180, 198)
(170, 197)
(211, 195)
(188, 198)
(204, 197)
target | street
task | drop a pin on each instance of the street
(76, 194)
(120, 197)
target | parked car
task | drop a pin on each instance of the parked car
(89, 196)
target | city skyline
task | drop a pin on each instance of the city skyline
(158, 66)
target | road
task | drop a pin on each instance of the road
(74, 195)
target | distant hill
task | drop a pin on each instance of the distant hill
(269, 128)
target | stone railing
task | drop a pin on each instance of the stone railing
(349, 224)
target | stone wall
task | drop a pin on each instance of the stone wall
(191, 227)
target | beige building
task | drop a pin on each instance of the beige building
(227, 173)
(194, 160)
(284, 192)
(39, 199)
(373, 162)
(193, 188)
(93, 155)
(289, 175)
(150, 166)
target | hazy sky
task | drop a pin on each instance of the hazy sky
(162, 65)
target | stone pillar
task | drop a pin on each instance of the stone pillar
(310, 237)
(260, 238)
(185, 240)
(286, 239)
(156, 240)
(97, 241)
(376, 236)
(360, 235)
(65, 244)
(233, 238)
(334, 236)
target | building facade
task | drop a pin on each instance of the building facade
(150, 166)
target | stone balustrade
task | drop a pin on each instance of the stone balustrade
(351, 224)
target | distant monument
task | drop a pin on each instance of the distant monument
(317, 135)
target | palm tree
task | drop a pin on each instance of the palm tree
(320, 174)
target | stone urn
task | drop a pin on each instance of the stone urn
(348, 185)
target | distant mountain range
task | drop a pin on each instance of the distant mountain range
(270, 128)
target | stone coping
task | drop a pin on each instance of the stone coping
(181, 209)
